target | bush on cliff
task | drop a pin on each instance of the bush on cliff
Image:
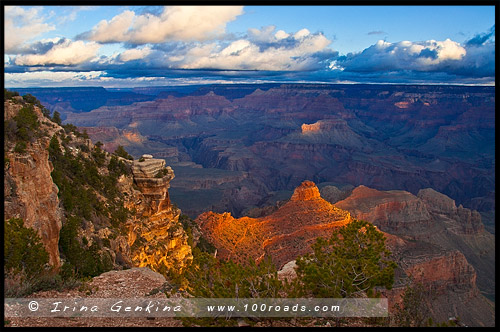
(354, 260)
(23, 249)
(87, 194)
(86, 261)
(120, 152)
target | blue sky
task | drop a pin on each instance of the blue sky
(125, 46)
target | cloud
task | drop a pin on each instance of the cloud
(48, 78)
(378, 32)
(134, 54)
(59, 52)
(480, 39)
(186, 23)
(447, 60)
(22, 25)
(405, 55)
(263, 50)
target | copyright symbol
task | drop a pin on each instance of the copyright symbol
(33, 306)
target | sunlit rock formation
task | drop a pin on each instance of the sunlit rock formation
(283, 235)
(156, 236)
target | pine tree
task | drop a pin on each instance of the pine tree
(354, 260)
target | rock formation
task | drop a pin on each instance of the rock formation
(156, 237)
(29, 192)
(469, 220)
(440, 245)
(385, 137)
(421, 240)
(393, 211)
(283, 235)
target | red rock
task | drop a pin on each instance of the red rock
(283, 235)
(29, 192)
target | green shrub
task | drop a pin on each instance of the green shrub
(27, 123)
(161, 173)
(23, 249)
(120, 152)
(7, 94)
(87, 262)
(20, 147)
(56, 117)
(352, 261)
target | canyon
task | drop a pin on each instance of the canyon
(266, 169)
(433, 242)
(406, 137)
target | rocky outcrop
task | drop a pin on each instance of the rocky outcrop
(156, 236)
(393, 211)
(29, 192)
(283, 235)
(333, 194)
(448, 280)
(441, 245)
(445, 272)
(307, 191)
(469, 221)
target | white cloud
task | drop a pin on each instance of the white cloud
(64, 53)
(301, 34)
(38, 78)
(264, 51)
(134, 54)
(22, 25)
(185, 23)
(428, 55)
(281, 35)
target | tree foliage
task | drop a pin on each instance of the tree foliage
(212, 278)
(23, 249)
(414, 310)
(7, 94)
(81, 179)
(86, 261)
(352, 261)
(120, 152)
(56, 117)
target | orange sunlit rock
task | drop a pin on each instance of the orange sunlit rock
(283, 235)
(157, 237)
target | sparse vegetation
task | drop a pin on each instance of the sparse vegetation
(354, 260)
(7, 94)
(82, 179)
(26, 263)
(161, 173)
(23, 249)
(120, 152)
(56, 118)
(86, 262)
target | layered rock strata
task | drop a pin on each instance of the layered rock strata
(283, 235)
(29, 192)
(156, 236)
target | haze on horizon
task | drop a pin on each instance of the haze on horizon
(129, 46)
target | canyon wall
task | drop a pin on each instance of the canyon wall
(29, 192)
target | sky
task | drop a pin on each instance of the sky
(129, 46)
